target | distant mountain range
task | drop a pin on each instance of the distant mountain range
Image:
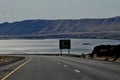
(107, 28)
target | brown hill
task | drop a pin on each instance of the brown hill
(82, 28)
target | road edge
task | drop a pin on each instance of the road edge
(14, 70)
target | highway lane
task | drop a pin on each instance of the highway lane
(66, 68)
(97, 70)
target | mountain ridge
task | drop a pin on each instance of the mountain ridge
(76, 27)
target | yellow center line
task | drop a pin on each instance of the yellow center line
(4, 78)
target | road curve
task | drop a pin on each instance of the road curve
(66, 68)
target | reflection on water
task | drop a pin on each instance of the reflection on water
(51, 46)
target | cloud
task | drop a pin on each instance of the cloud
(1, 15)
(4, 16)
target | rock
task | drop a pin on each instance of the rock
(106, 53)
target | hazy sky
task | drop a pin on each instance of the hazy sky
(16, 10)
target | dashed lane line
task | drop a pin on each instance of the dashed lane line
(59, 63)
(77, 71)
(65, 65)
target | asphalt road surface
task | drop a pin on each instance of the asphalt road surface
(66, 68)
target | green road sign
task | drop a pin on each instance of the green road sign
(64, 44)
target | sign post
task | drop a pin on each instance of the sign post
(65, 44)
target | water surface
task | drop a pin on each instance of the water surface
(48, 46)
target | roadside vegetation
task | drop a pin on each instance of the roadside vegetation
(4, 60)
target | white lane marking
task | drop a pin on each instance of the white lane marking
(77, 71)
(65, 65)
(59, 63)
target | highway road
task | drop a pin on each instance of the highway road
(66, 68)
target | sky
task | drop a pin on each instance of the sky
(17, 10)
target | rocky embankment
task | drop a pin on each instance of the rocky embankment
(105, 53)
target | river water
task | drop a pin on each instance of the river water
(51, 46)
